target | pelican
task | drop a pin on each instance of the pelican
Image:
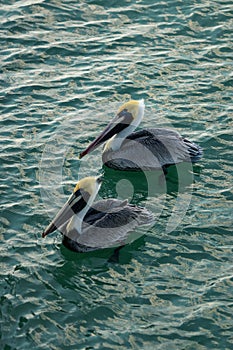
(106, 223)
(146, 149)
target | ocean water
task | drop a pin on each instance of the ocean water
(66, 66)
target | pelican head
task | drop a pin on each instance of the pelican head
(128, 117)
(77, 205)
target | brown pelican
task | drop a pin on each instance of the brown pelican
(146, 149)
(106, 223)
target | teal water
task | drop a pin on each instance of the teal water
(66, 66)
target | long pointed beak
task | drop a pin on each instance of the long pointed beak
(106, 134)
(74, 204)
(119, 123)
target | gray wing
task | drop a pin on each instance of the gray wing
(151, 148)
(116, 220)
(163, 144)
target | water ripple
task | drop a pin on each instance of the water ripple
(68, 65)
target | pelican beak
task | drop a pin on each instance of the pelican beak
(121, 121)
(75, 203)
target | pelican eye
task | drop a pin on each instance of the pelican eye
(125, 116)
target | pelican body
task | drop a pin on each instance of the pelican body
(146, 149)
(88, 226)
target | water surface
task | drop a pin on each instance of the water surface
(66, 66)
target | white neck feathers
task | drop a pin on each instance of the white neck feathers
(115, 142)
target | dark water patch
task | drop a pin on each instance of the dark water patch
(66, 69)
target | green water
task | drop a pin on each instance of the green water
(66, 66)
